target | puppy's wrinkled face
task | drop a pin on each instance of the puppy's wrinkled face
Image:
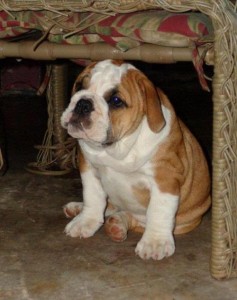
(108, 103)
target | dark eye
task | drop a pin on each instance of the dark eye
(116, 102)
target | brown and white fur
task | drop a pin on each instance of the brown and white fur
(141, 168)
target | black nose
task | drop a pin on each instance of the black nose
(84, 107)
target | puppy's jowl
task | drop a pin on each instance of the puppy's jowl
(141, 168)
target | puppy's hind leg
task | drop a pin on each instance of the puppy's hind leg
(118, 224)
(72, 209)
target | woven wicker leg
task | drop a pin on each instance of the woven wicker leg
(224, 207)
(57, 154)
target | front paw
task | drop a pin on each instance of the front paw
(82, 227)
(155, 248)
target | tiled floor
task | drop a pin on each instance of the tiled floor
(38, 261)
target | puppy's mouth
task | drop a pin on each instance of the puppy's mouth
(79, 123)
(80, 119)
(81, 114)
(86, 129)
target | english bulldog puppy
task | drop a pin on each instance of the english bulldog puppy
(141, 168)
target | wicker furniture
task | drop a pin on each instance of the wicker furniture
(224, 19)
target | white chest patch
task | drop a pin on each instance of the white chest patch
(119, 188)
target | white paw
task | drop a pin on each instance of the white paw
(155, 248)
(72, 209)
(82, 227)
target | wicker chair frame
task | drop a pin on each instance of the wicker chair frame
(224, 18)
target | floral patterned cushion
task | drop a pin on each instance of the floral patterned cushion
(155, 26)
(123, 31)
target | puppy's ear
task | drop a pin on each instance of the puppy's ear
(152, 105)
(77, 85)
(82, 80)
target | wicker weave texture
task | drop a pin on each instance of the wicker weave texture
(224, 17)
(105, 6)
(224, 210)
(109, 7)
(57, 154)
